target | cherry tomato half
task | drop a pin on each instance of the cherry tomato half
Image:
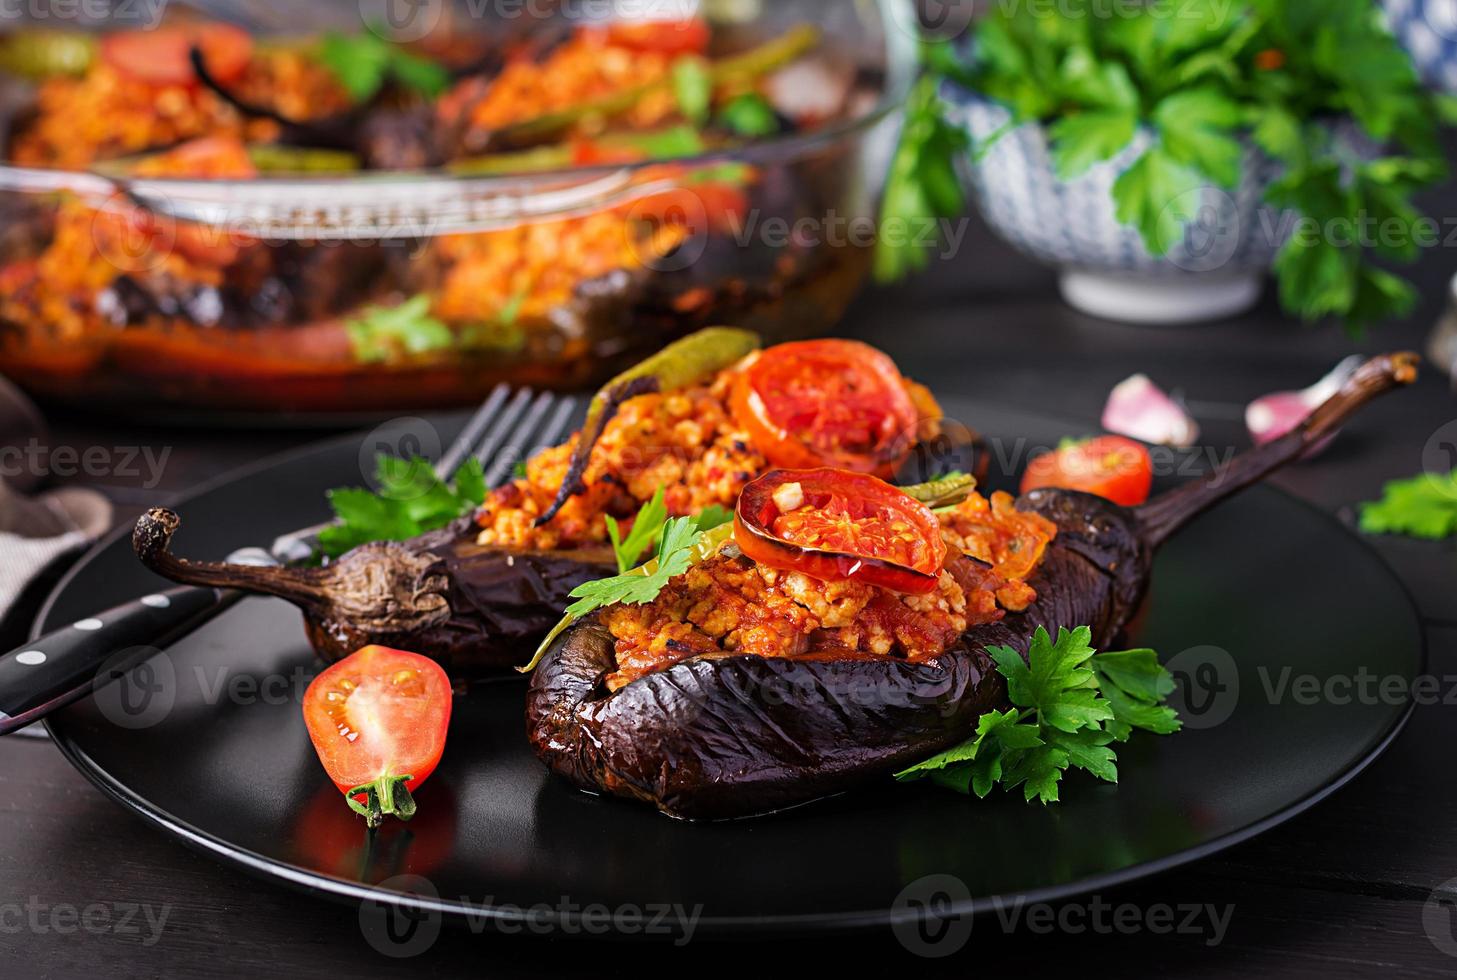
(378, 719)
(661, 36)
(1109, 466)
(834, 524)
(837, 403)
(164, 56)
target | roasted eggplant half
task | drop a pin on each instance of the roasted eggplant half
(479, 594)
(716, 734)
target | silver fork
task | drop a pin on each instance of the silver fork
(61, 667)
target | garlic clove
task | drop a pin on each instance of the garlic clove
(1272, 416)
(1139, 409)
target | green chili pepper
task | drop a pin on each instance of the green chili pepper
(40, 54)
(947, 491)
(273, 158)
(676, 366)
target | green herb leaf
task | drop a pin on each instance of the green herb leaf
(411, 500)
(675, 555)
(749, 115)
(1154, 195)
(1085, 138)
(381, 333)
(693, 88)
(1196, 127)
(1069, 705)
(640, 537)
(1278, 132)
(924, 185)
(363, 62)
(1424, 506)
(712, 516)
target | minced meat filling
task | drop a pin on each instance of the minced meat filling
(684, 441)
(729, 604)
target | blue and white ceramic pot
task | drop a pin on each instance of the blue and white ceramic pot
(1216, 271)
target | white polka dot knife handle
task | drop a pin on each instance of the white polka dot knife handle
(64, 666)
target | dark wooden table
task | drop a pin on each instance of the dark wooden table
(1344, 890)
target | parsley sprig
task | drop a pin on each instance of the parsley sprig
(647, 528)
(1197, 76)
(410, 500)
(381, 333)
(1069, 705)
(924, 186)
(1424, 506)
(364, 62)
(682, 542)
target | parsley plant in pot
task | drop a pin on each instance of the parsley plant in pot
(1166, 155)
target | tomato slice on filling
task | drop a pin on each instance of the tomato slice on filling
(834, 524)
(835, 403)
(376, 717)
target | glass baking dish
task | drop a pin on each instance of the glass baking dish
(552, 278)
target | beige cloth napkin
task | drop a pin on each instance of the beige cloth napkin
(36, 531)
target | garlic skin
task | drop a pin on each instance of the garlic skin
(1272, 416)
(1139, 409)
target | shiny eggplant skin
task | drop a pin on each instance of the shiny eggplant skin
(732, 736)
(477, 611)
(718, 737)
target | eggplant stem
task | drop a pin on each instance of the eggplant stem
(152, 539)
(1166, 514)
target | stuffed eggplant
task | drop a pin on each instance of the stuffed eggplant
(835, 639)
(690, 427)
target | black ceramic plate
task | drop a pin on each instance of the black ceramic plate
(208, 744)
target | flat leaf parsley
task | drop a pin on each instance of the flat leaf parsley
(648, 526)
(1199, 80)
(1424, 506)
(1070, 704)
(411, 500)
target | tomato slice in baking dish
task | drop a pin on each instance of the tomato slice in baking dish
(836, 403)
(689, 36)
(834, 524)
(164, 56)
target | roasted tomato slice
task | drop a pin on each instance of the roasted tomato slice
(377, 719)
(661, 36)
(164, 56)
(1109, 466)
(834, 524)
(836, 403)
